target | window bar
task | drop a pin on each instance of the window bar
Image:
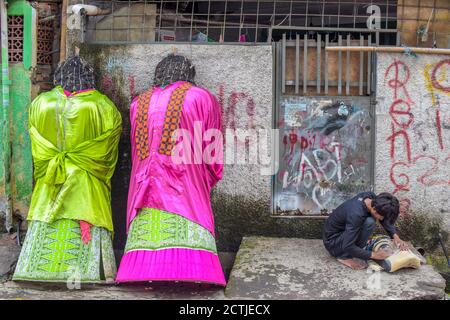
(339, 13)
(377, 38)
(129, 20)
(361, 65)
(161, 5)
(398, 40)
(325, 72)
(207, 22)
(112, 21)
(305, 62)
(192, 21)
(297, 61)
(355, 13)
(175, 21)
(323, 13)
(224, 19)
(306, 13)
(283, 63)
(347, 68)
(339, 66)
(290, 14)
(419, 5)
(257, 21)
(272, 23)
(369, 62)
(241, 20)
(143, 22)
(387, 14)
(319, 46)
(274, 14)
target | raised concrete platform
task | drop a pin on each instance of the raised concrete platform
(291, 268)
(264, 268)
(12, 290)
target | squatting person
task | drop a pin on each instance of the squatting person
(350, 225)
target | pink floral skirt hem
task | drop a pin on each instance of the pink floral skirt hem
(172, 264)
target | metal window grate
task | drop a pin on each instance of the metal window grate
(228, 21)
(15, 39)
(45, 41)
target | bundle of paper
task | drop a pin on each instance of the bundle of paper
(398, 259)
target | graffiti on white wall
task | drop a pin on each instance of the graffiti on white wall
(325, 153)
(413, 131)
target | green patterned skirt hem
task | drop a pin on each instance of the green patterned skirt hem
(154, 229)
(54, 252)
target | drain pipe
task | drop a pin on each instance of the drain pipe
(6, 134)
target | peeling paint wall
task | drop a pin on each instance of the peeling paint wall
(241, 78)
(21, 159)
(413, 132)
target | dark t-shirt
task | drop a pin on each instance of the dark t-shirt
(347, 220)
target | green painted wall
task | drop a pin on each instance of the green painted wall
(20, 96)
(21, 164)
(2, 162)
(4, 125)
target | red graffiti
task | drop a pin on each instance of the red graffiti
(398, 82)
(221, 98)
(303, 143)
(436, 82)
(293, 138)
(398, 114)
(229, 111)
(109, 86)
(432, 169)
(402, 118)
(303, 170)
(107, 83)
(131, 84)
(438, 127)
(426, 167)
(423, 179)
(399, 185)
(392, 139)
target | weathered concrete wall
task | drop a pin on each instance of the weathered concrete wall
(413, 132)
(241, 79)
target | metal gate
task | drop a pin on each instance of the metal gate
(325, 114)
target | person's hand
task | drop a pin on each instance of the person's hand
(380, 255)
(400, 243)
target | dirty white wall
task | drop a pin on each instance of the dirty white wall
(413, 132)
(240, 76)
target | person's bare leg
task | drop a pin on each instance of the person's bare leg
(353, 263)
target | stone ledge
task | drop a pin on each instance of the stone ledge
(292, 268)
(20, 290)
(9, 253)
(264, 268)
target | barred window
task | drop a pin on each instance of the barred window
(15, 39)
(231, 20)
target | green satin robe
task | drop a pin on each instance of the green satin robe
(74, 143)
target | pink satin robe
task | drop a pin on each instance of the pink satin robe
(183, 189)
